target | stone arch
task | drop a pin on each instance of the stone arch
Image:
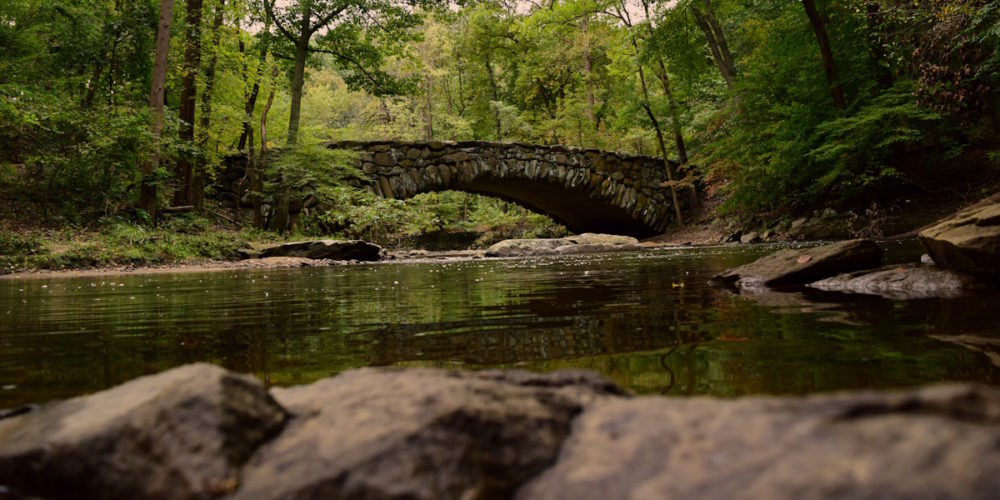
(584, 189)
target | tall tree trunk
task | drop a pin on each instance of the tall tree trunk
(147, 193)
(192, 65)
(659, 134)
(588, 73)
(819, 27)
(429, 112)
(709, 25)
(88, 101)
(496, 94)
(874, 18)
(198, 176)
(256, 183)
(251, 100)
(299, 77)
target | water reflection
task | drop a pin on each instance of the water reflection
(648, 321)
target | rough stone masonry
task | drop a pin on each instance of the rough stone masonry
(587, 190)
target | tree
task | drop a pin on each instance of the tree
(192, 66)
(347, 30)
(147, 195)
(829, 65)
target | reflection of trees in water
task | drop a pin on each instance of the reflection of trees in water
(505, 343)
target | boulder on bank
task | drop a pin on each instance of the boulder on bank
(939, 442)
(581, 243)
(968, 242)
(805, 265)
(910, 281)
(426, 434)
(184, 433)
(327, 249)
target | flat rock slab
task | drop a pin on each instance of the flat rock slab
(419, 434)
(184, 433)
(802, 266)
(942, 442)
(581, 243)
(905, 282)
(969, 241)
(327, 249)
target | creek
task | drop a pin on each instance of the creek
(649, 321)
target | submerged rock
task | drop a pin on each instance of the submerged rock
(327, 249)
(199, 432)
(969, 241)
(934, 443)
(801, 266)
(581, 243)
(902, 282)
(184, 433)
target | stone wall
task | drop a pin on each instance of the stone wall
(585, 189)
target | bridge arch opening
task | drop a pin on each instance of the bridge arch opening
(585, 190)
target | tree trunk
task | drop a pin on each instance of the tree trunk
(659, 135)
(588, 73)
(299, 77)
(429, 112)
(874, 18)
(192, 65)
(709, 25)
(819, 27)
(147, 194)
(256, 183)
(496, 95)
(198, 176)
(251, 100)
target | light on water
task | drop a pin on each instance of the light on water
(649, 321)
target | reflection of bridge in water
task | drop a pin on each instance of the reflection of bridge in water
(584, 189)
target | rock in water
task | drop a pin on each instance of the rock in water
(184, 433)
(581, 243)
(969, 241)
(801, 266)
(327, 249)
(902, 282)
(934, 443)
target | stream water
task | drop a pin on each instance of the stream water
(648, 321)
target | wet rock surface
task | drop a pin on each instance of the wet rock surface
(910, 281)
(581, 243)
(933, 443)
(184, 433)
(969, 241)
(327, 249)
(802, 266)
(201, 432)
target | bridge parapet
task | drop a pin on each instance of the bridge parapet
(585, 189)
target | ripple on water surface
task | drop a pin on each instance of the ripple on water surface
(648, 321)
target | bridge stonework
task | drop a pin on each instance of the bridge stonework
(584, 189)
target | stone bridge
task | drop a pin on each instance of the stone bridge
(583, 189)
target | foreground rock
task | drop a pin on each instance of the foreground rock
(934, 443)
(902, 282)
(968, 241)
(802, 266)
(327, 249)
(184, 433)
(582, 243)
(199, 432)
(419, 434)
